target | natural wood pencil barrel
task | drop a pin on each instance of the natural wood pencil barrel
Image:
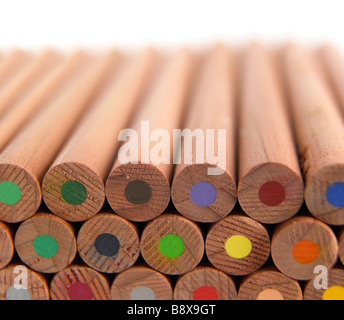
(270, 184)
(26, 158)
(17, 282)
(79, 283)
(73, 187)
(334, 287)
(29, 102)
(172, 244)
(45, 243)
(6, 244)
(141, 283)
(198, 193)
(108, 243)
(205, 283)
(320, 134)
(237, 244)
(300, 244)
(341, 245)
(139, 189)
(269, 284)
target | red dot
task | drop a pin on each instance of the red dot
(205, 293)
(271, 193)
(80, 291)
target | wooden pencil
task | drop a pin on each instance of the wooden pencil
(205, 283)
(108, 243)
(204, 187)
(300, 244)
(319, 133)
(6, 244)
(138, 186)
(30, 101)
(26, 158)
(330, 288)
(269, 284)
(17, 282)
(73, 188)
(78, 282)
(237, 244)
(46, 243)
(341, 245)
(141, 283)
(22, 82)
(270, 186)
(172, 244)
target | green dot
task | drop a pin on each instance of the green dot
(73, 192)
(9, 192)
(171, 245)
(45, 245)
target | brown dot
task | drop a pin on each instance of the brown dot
(272, 193)
(138, 192)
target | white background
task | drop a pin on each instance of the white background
(70, 23)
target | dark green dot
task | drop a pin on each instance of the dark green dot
(73, 192)
(45, 245)
(138, 192)
(171, 245)
(9, 192)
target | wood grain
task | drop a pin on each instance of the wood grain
(212, 107)
(108, 243)
(6, 244)
(270, 184)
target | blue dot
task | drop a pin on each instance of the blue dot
(335, 194)
(203, 193)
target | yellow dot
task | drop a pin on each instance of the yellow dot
(334, 293)
(238, 246)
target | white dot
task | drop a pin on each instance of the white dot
(142, 293)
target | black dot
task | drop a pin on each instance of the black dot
(107, 244)
(138, 192)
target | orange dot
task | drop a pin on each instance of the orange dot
(305, 251)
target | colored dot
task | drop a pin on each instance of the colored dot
(334, 293)
(203, 193)
(9, 192)
(171, 246)
(142, 293)
(305, 251)
(80, 291)
(271, 193)
(270, 294)
(205, 293)
(45, 245)
(238, 246)
(18, 292)
(107, 244)
(335, 194)
(138, 192)
(73, 192)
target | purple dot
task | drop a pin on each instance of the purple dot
(203, 193)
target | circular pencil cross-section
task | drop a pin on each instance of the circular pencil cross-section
(73, 191)
(108, 243)
(20, 194)
(271, 193)
(46, 243)
(17, 282)
(138, 192)
(269, 285)
(79, 283)
(141, 283)
(6, 245)
(201, 196)
(237, 245)
(300, 244)
(325, 285)
(324, 194)
(172, 244)
(341, 245)
(205, 283)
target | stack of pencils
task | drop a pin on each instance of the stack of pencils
(213, 173)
